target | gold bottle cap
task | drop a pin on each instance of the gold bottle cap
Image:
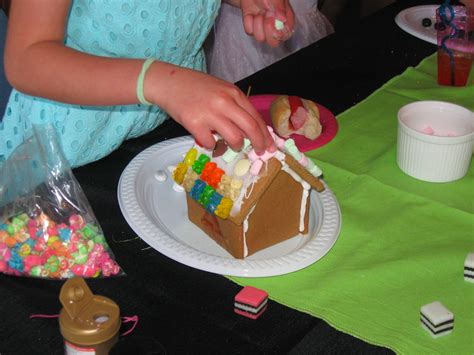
(86, 319)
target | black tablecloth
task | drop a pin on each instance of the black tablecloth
(184, 310)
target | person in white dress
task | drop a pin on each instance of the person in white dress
(232, 55)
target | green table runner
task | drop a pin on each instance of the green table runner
(403, 242)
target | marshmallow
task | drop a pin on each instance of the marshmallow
(279, 25)
(242, 167)
(256, 167)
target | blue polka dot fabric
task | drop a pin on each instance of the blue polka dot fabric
(168, 30)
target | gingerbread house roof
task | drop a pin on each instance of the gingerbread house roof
(273, 168)
(221, 178)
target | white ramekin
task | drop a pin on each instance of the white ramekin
(444, 153)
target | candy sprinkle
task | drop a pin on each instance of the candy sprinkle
(40, 247)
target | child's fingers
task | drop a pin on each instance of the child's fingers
(249, 121)
(273, 37)
(203, 136)
(239, 125)
(252, 111)
(281, 15)
(230, 133)
(258, 28)
(248, 24)
(290, 18)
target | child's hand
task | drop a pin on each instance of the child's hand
(204, 104)
(259, 18)
(469, 4)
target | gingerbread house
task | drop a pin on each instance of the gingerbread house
(247, 202)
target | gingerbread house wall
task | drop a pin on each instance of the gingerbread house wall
(275, 218)
(224, 232)
(277, 214)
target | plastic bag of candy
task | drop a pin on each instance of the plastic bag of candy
(47, 226)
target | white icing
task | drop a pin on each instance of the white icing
(280, 156)
(245, 192)
(304, 197)
(248, 308)
(160, 176)
(248, 191)
(177, 187)
(245, 230)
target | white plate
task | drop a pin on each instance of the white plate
(158, 214)
(411, 19)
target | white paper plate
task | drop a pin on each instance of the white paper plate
(411, 19)
(158, 214)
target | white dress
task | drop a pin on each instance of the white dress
(232, 55)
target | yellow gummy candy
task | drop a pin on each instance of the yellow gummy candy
(190, 156)
(223, 210)
(180, 172)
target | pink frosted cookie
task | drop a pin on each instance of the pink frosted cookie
(250, 302)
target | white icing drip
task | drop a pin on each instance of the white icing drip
(305, 193)
(244, 238)
(304, 199)
(245, 230)
(177, 187)
(248, 191)
(280, 155)
(248, 181)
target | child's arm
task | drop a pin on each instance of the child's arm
(37, 63)
(259, 19)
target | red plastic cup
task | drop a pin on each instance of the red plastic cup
(455, 35)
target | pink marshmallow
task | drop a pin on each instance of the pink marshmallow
(252, 155)
(267, 155)
(256, 167)
(280, 142)
(304, 160)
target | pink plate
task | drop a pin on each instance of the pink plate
(328, 121)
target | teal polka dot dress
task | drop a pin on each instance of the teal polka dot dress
(169, 30)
